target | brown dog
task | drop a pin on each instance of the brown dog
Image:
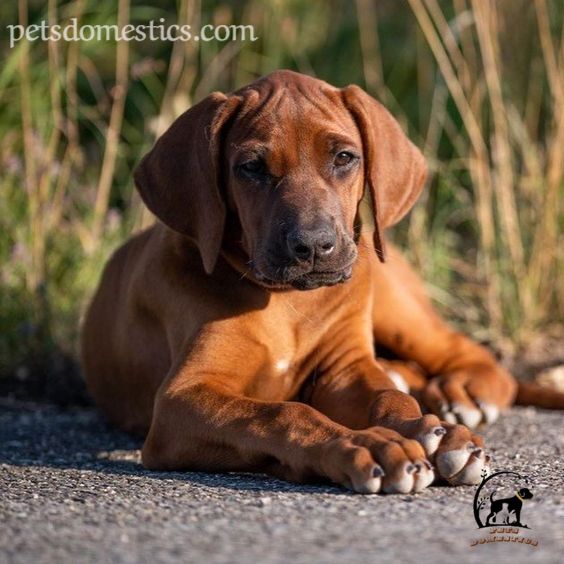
(201, 334)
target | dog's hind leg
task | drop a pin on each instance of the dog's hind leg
(406, 376)
(466, 384)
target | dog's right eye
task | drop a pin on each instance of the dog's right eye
(255, 167)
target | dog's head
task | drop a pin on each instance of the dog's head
(525, 493)
(283, 162)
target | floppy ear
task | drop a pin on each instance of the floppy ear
(179, 178)
(395, 169)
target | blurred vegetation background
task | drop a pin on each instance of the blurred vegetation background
(478, 85)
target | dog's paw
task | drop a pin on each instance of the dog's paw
(377, 460)
(460, 458)
(458, 454)
(470, 396)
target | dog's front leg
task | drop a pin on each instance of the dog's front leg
(360, 394)
(201, 421)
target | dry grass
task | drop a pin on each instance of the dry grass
(75, 117)
(514, 162)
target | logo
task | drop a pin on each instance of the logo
(500, 506)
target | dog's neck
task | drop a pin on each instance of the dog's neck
(518, 496)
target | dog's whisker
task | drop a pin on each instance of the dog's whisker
(244, 274)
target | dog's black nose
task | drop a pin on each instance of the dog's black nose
(306, 244)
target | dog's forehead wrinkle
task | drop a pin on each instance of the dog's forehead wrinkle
(265, 114)
(318, 99)
(255, 104)
(289, 93)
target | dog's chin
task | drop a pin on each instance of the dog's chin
(308, 281)
(315, 280)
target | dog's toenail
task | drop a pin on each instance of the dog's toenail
(377, 472)
(428, 464)
(410, 468)
(439, 431)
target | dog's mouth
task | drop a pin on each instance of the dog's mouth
(275, 271)
(314, 279)
(305, 281)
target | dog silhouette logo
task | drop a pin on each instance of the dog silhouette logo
(500, 499)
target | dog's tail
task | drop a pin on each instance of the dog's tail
(531, 393)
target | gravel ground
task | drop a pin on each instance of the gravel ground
(72, 490)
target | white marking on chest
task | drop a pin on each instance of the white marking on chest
(282, 365)
(398, 380)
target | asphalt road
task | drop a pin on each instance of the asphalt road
(72, 490)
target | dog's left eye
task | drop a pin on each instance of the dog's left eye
(344, 158)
